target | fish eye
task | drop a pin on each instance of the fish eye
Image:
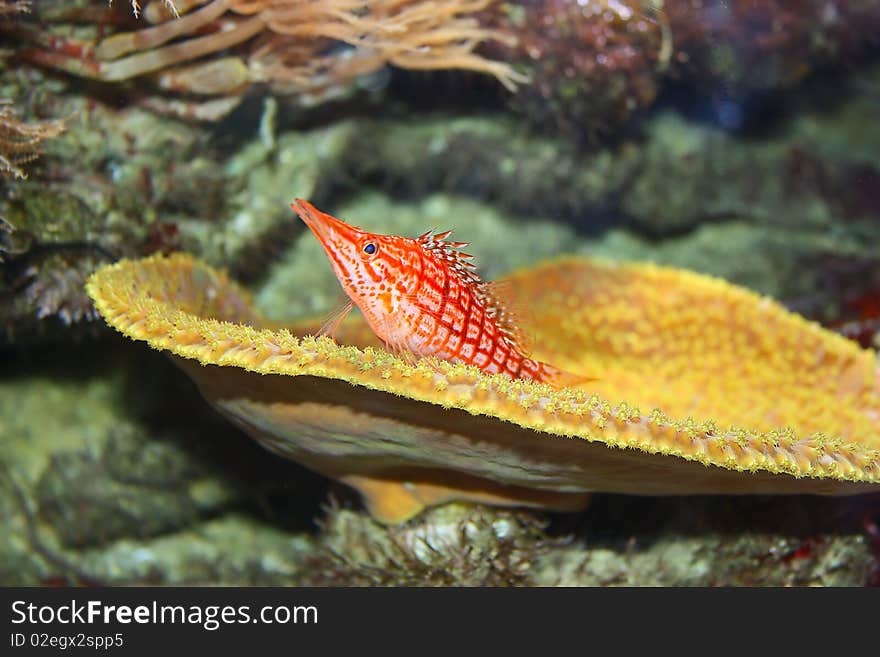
(370, 248)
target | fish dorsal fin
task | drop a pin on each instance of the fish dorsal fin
(451, 254)
(510, 314)
(495, 297)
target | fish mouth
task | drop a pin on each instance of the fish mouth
(329, 230)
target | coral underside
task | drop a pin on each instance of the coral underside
(686, 365)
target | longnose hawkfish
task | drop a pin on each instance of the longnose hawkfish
(423, 297)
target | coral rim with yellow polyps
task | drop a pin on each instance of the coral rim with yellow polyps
(685, 365)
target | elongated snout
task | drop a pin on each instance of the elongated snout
(330, 231)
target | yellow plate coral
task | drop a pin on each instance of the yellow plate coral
(703, 388)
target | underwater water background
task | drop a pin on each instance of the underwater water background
(739, 139)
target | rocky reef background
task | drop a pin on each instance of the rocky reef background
(740, 139)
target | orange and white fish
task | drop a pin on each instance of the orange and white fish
(423, 297)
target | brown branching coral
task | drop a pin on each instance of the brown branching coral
(440, 34)
(136, 7)
(308, 48)
(20, 141)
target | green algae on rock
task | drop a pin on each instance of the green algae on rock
(106, 479)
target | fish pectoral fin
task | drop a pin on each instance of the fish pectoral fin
(399, 347)
(405, 354)
(334, 318)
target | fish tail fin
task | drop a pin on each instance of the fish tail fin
(558, 378)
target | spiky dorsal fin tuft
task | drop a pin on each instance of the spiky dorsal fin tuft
(493, 296)
(450, 254)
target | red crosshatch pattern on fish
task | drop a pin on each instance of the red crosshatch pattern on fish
(423, 298)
